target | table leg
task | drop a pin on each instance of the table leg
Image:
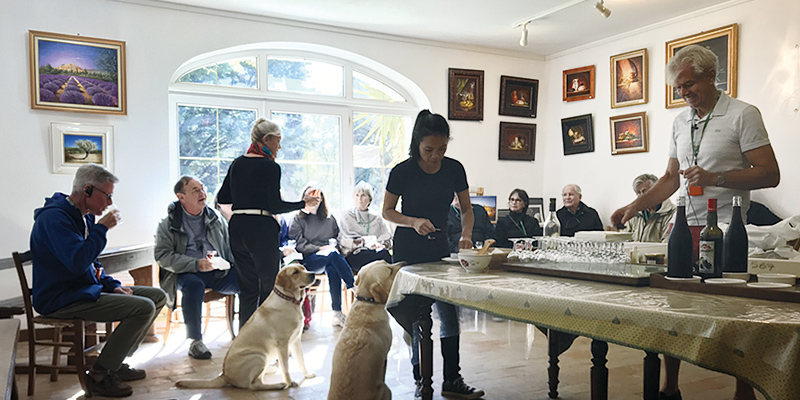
(426, 353)
(552, 362)
(652, 374)
(599, 374)
(144, 277)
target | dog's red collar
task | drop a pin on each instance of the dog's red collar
(287, 297)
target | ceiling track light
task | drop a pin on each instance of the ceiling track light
(523, 41)
(605, 12)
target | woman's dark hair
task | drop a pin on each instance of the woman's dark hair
(522, 195)
(427, 124)
(322, 210)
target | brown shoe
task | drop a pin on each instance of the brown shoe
(104, 383)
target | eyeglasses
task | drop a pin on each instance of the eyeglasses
(515, 200)
(103, 192)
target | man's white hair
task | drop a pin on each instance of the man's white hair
(91, 175)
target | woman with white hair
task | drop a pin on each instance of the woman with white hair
(363, 235)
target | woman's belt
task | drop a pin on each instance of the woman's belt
(253, 212)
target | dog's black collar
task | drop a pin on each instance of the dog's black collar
(287, 297)
(368, 300)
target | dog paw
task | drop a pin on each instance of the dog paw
(294, 384)
(310, 375)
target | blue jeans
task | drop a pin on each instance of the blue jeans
(193, 288)
(336, 267)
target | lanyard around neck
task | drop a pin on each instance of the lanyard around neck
(364, 223)
(520, 225)
(693, 127)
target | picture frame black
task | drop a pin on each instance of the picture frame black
(517, 141)
(519, 97)
(577, 134)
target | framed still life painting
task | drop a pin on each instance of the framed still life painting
(724, 43)
(77, 73)
(518, 96)
(629, 79)
(517, 141)
(577, 134)
(578, 84)
(629, 133)
(465, 101)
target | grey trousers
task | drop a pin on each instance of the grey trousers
(135, 314)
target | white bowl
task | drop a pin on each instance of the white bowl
(768, 285)
(725, 281)
(474, 262)
(777, 278)
(692, 279)
(737, 275)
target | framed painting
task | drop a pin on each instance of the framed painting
(536, 209)
(517, 141)
(724, 43)
(77, 73)
(73, 145)
(489, 203)
(518, 96)
(578, 84)
(465, 95)
(577, 134)
(629, 79)
(629, 133)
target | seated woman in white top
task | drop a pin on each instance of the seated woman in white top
(363, 235)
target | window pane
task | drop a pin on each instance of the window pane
(205, 171)
(310, 154)
(238, 73)
(235, 127)
(206, 75)
(197, 131)
(305, 76)
(365, 87)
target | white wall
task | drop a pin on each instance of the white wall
(160, 40)
(769, 76)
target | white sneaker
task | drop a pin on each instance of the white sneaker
(338, 319)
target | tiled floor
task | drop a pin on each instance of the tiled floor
(496, 356)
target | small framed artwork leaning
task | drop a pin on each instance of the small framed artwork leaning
(518, 96)
(73, 145)
(578, 83)
(577, 134)
(629, 79)
(77, 73)
(517, 141)
(723, 42)
(629, 133)
(465, 95)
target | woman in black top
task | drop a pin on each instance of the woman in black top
(252, 186)
(517, 224)
(427, 181)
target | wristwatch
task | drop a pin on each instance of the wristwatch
(720, 179)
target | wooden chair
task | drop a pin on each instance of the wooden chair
(322, 288)
(76, 348)
(211, 295)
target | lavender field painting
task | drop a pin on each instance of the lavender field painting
(75, 73)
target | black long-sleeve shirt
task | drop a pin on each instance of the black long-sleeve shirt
(255, 183)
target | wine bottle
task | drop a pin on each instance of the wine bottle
(679, 247)
(709, 264)
(553, 227)
(735, 242)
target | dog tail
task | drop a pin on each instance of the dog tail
(217, 382)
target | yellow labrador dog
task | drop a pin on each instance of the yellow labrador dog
(359, 359)
(273, 332)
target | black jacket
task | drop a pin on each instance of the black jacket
(482, 229)
(585, 219)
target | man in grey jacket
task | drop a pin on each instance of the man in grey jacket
(194, 253)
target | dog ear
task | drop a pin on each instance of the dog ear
(378, 292)
(358, 280)
(284, 278)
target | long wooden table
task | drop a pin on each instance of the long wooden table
(755, 340)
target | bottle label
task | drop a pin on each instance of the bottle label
(705, 263)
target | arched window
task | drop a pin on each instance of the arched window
(344, 118)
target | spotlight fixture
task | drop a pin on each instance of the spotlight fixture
(605, 12)
(523, 40)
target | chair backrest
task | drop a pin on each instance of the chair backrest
(20, 259)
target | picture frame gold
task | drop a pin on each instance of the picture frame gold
(724, 42)
(629, 133)
(89, 75)
(578, 84)
(629, 77)
(465, 94)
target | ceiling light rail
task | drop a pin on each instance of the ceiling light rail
(523, 41)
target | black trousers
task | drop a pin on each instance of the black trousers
(257, 258)
(366, 256)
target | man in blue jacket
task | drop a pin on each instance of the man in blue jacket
(193, 252)
(69, 282)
